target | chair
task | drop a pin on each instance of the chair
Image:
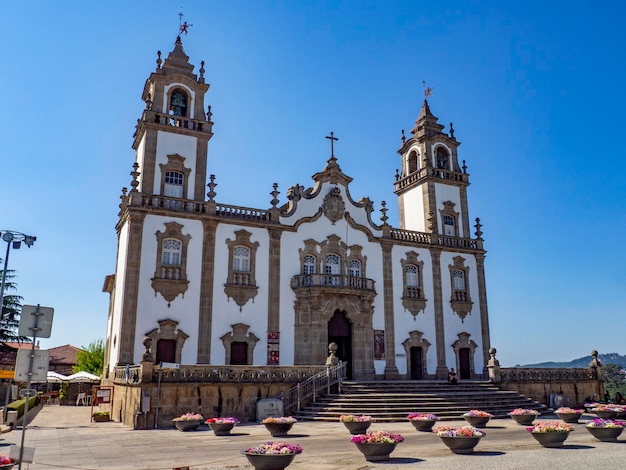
(81, 399)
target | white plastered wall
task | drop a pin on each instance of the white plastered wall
(120, 282)
(414, 209)
(443, 193)
(183, 145)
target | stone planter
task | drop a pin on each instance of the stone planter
(375, 452)
(357, 427)
(551, 439)
(8, 466)
(525, 420)
(461, 445)
(269, 461)
(221, 429)
(278, 429)
(605, 414)
(102, 418)
(477, 421)
(425, 425)
(569, 417)
(187, 424)
(605, 434)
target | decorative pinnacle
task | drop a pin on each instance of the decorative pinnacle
(135, 174)
(464, 167)
(211, 194)
(159, 61)
(478, 233)
(451, 130)
(384, 210)
(403, 137)
(274, 194)
(397, 175)
(201, 79)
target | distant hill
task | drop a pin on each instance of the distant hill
(611, 358)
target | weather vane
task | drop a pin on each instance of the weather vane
(183, 27)
(428, 91)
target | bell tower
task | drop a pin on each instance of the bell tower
(432, 187)
(172, 135)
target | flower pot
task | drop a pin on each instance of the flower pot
(461, 445)
(569, 417)
(221, 429)
(605, 414)
(187, 424)
(357, 427)
(551, 439)
(423, 424)
(269, 461)
(101, 418)
(605, 434)
(477, 421)
(376, 452)
(278, 429)
(523, 419)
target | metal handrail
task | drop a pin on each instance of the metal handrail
(312, 386)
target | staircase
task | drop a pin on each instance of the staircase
(394, 400)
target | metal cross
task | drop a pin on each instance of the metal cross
(332, 138)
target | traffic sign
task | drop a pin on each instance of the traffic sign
(7, 374)
(40, 365)
(41, 315)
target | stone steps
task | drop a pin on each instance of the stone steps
(394, 400)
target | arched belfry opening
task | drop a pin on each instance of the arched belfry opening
(340, 333)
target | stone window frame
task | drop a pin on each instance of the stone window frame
(333, 246)
(167, 329)
(464, 341)
(166, 286)
(412, 161)
(356, 254)
(460, 300)
(448, 210)
(417, 340)
(175, 163)
(241, 285)
(238, 334)
(413, 299)
(310, 249)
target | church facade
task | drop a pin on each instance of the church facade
(202, 282)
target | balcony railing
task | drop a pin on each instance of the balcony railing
(332, 281)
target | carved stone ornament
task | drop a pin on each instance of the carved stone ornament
(169, 288)
(461, 308)
(414, 305)
(333, 206)
(240, 294)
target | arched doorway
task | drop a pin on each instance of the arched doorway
(465, 371)
(417, 353)
(340, 332)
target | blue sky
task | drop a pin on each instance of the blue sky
(534, 89)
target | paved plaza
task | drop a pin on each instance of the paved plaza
(63, 437)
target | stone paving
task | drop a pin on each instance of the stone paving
(64, 437)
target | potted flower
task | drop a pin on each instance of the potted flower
(6, 462)
(569, 415)
(477, 418)
(460, 440)
(422, 421)
(101, 416)
(356, 424)
(377, 445)
(550, 433)
(272, 455)
(606, 411)
(279, 426)
(188, 421)
(524, 416)
(606, 430)
(222, 426)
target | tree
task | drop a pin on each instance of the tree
(614, 379)
(11, 310)
(91, 358)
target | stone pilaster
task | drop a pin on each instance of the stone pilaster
(442, 370)
(484, 314)
(273, 297)
(391, 370)
(207, 280)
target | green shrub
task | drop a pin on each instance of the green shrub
(20, 405)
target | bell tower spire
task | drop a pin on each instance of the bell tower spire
(432, 187)
(171, 140)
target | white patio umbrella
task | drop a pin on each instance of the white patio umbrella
(55, 377)
(82, 376)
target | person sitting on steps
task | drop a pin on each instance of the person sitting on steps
(452, 378)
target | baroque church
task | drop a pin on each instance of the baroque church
(199, 281)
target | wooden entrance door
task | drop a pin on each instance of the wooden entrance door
(238, 353)
(416, 363)
(166, 350)
(340, 332)
(464, 364)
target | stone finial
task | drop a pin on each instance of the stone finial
(464, 167)
(274, 195)
(431, 221)
(403, 137)
(451, 130)
(147, 355)
(384, 210)
(493, 366)
(159, 61)
(201, 79)
(211, 194)
(149, 102)
(478, 233)
(135, 174)
(332, 359)
(397, 175)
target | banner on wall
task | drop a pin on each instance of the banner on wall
(273, 342)
(379, 344)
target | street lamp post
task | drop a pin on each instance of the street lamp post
(13, 239)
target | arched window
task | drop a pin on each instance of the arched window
(332, 264)
(173, 184)
(449, 225)
(442, 158)
(309, 264)
(355, 268)
(412, 162)
(178, 103)
(412, 277)
(172, 250)
(241, 259)
(458, 284)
